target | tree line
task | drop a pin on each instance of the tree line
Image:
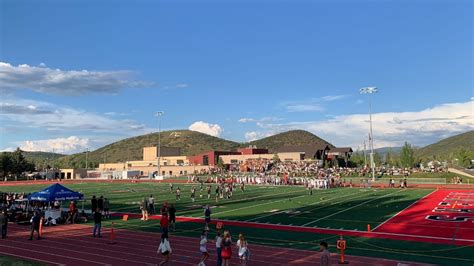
(14, 163)
(407, 158)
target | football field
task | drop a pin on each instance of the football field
(287, 216)
(339, 208)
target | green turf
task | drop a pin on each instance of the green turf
(354, 207)
(13, 261)
(348, 208)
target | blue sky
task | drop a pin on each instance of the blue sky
(78, 74)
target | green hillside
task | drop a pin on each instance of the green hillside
(39, 157)
(190, 142)
(448, 148)
(293, 137)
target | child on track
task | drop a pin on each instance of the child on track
(164, 249)
(243, 249)
(203, 248)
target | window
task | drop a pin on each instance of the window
(234, 161)
(180, 162)
(205, 160)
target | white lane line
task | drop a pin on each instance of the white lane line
(29, 258)
(53, 254)
(355, 206)
(404, 210)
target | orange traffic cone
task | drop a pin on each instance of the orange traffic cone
(112, 235)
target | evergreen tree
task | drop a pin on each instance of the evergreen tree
(407, 155)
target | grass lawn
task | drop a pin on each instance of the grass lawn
(348, 208)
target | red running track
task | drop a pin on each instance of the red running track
(447, 214)
(74, 245)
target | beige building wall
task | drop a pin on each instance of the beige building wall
(284, 156)
(73, 173)
(171, 170)
(150, 153)
(112, 166)
(174, 160)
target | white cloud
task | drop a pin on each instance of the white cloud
(51, 117)
(67, 145)
(206, 128)
(390, 128)
(247, 120)
(330, 98)
(311, 105)
(255, 120)
(65, 82)
(305, 108)
(181, 85)
(254, 135)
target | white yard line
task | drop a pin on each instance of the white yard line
(403, 210)
(355, 206)
(314, 203)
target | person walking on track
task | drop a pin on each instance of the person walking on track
(164, 249)
(35, 225)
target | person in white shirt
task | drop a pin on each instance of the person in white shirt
(165, 249)
(219, 248)
(243, 249)
(203, 248)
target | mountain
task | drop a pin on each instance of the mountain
(446, 148)
(385, 150)
(293, 137)
(190, 142)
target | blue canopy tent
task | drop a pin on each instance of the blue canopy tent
(55, 192)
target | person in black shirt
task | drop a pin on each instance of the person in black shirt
(207, 217)
(100, 204)
(4, 223)
(35, 225)
(97, 223)
(172, 212)
(93, 204)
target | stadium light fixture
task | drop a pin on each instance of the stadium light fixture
(370, 90)
(159, 114)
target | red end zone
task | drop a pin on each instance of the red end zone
(443, 214)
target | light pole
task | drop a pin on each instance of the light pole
(159, 114)
(370, 90)
(87, 153)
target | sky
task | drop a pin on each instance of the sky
(76, 75)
